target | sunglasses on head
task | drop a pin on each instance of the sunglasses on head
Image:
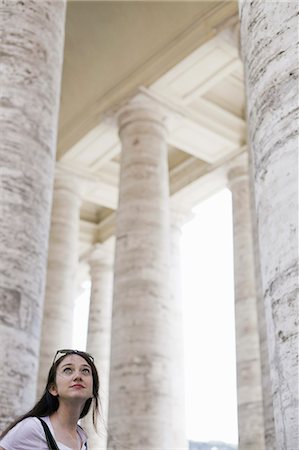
(69, 351)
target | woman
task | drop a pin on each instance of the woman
(72, 386)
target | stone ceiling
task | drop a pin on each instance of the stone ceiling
(182, 55)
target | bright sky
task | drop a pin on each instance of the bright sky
(208, 298)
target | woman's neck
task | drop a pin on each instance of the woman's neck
(66, 416)
(64, 423)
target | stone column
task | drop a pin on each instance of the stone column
(178, 370)
(98, 339)
(140, 375)
(265, 367)
(249, 383)
(61, 288)
(265, 371)
(31, 61)
(269, 32)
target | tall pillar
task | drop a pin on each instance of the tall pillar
(140, 375)
(249, 382)
(269, 35)
(178, 409)
(98, 338)
(62, 267)
(31, 61)
(265, 367)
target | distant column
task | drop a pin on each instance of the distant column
(31, 50)
(178, 409)
(141, 348)
(249, 383)
(61, 288)
(99, 334)
(269, 34)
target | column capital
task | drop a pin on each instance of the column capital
(65, 180)
(99, 254)
(179, 216)
(143, 108)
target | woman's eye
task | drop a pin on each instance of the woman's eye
(67, 370)
(86, 371)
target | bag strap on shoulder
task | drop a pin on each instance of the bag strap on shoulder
(82, 429)
(50, 439)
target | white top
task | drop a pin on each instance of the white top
(29, 435)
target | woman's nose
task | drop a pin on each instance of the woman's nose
(77, 375)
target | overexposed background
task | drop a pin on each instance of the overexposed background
(208, 305)
(208, 299)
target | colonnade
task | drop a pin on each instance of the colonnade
(132, 336)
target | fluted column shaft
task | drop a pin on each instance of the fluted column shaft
(269, 34)
(140, 392)
(98, 338)
(62, 267)
(249, 383)
(31, 61)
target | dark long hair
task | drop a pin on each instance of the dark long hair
(49, 403)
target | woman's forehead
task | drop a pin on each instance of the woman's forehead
(73, 359)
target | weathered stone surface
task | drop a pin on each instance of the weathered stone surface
(269, 32)
(265, 367)
(141, 348)
(32, 35)
(249, 383)
(98, 338)
(60, 294)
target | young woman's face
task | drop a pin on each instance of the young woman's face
(73, 379)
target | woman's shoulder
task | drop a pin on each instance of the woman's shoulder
(26, 426)
(30, 424)
(27, 434)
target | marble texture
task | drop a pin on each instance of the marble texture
(141, 337)
(265, 366)
(269, 36)
(31, 61)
